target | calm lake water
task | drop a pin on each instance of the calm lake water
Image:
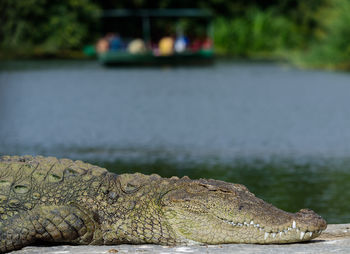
(283, 132)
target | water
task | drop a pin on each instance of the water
(282, 132)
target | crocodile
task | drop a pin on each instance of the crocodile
(44, 199)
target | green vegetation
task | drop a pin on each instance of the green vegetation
(46, 27)
(313, 33)
(257, 33)
(331, 46)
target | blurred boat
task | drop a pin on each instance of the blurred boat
(203, 55)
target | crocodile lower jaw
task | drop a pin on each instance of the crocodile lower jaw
(276, 235)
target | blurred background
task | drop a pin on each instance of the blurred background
(253, 92)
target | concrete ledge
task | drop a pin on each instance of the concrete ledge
(336, 239)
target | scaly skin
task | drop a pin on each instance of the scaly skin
(46, 199)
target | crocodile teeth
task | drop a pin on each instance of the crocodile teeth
(302, 233)
(252, 223)
(310, 234)
(294, 224)
(266, 235)
(281, 234)
(273, 235)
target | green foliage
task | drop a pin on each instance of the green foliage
(46, 25)
(331, 47)
(256, 32)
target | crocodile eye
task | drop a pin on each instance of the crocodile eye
(196, 189)
(21, 189)
(209, 187)
(54, 178)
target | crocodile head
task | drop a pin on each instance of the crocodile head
(213, 212)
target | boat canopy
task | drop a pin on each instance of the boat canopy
(199, 13)
(147, 14)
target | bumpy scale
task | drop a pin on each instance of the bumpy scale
(59, 200)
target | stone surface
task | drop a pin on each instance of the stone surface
(336, 239)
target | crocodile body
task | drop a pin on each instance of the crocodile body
(60, 200)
